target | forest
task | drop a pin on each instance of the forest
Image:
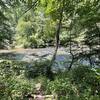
(49, 49)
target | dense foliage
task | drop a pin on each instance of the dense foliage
(82, 83)
(74, 24)
(5, 30)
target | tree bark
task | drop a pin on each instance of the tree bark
(57, 36)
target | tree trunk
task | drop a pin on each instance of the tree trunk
(57, 37)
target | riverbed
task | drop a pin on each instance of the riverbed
(62, 61)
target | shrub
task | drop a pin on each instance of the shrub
(81, 83)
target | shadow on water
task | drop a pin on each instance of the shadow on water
(11, 56)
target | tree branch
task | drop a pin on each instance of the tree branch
(33, 5)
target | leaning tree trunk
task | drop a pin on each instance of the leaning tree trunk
(57, 40)
(70, 50)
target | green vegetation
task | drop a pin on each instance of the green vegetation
(81, 83)
(30, 24)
